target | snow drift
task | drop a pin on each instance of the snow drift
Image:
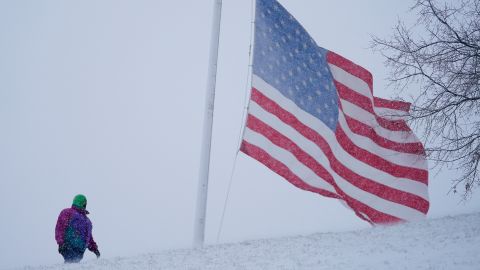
(446, 243)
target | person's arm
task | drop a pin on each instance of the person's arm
(92, 246)
(62, 223)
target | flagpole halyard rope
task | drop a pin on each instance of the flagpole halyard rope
(248, 81)
(248, 86)
(227, 197)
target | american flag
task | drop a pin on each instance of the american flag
(312, 119)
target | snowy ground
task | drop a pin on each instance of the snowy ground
(447, 243)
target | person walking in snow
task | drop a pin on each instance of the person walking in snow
(73, 232)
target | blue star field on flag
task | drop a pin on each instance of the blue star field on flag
(286, 57)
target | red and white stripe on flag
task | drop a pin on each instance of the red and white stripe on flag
(371, 160)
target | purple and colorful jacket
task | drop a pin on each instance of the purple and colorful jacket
(74, 229)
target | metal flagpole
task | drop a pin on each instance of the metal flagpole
(199, 227)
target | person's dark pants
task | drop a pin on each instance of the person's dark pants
(71, 255)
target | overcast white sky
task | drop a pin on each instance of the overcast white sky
(106, 98)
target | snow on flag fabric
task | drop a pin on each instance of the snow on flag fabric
(313, 119)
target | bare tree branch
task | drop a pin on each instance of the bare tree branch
(440, 53)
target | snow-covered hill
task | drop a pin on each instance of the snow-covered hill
(447, 243)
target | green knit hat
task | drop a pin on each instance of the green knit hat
(80, 201)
